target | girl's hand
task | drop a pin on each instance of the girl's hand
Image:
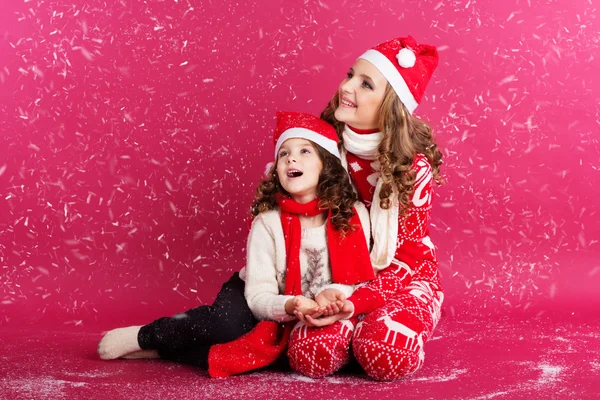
(314, 320)
(302, 305)
(333, 308)
(331, 300)
(330, 296)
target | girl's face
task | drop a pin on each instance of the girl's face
(298, 169)
(360, 96)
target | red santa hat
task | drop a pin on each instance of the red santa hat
(406, 65)
(305, 126)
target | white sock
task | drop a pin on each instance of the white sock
(119, 342)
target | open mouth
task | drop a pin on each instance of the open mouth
(294, 173)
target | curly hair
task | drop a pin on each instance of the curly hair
(404, 137)
(334, 191)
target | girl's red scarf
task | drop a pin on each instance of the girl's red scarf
(350, 264)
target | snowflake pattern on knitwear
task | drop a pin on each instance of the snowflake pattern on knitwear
(364, 174)
(319, 352)
(355, 166)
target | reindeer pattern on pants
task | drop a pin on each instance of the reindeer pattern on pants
(389, 342)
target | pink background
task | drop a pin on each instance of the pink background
(133, 136)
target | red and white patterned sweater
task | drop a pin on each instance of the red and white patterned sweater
(414, 248)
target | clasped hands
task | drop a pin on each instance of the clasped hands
(328, 306)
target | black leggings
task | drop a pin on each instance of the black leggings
(187, 337)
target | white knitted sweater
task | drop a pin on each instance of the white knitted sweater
(266, 264)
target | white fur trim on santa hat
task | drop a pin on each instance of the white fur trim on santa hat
(303, 133)
(390, 72)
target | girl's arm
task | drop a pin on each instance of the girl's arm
(414, 259)
(375, 293)
(416, 248)
(262, 289)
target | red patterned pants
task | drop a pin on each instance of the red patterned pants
(388, 343)
(318, 352)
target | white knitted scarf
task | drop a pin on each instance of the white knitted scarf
(384, 223)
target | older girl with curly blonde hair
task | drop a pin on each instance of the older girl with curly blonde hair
(394, 161)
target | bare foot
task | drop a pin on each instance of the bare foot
(142, 354)
(119, 342)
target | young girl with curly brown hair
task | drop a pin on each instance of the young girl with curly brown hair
(307, 248)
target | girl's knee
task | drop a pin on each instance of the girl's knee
(387, 350)
(319, 352)
(384, 363)
(317, 363)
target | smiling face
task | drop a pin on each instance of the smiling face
(360, 96)
(298, 169)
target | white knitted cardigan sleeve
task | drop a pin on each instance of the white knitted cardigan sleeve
(363, 215)
(265, 251)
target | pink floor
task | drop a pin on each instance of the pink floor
(539, 358)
